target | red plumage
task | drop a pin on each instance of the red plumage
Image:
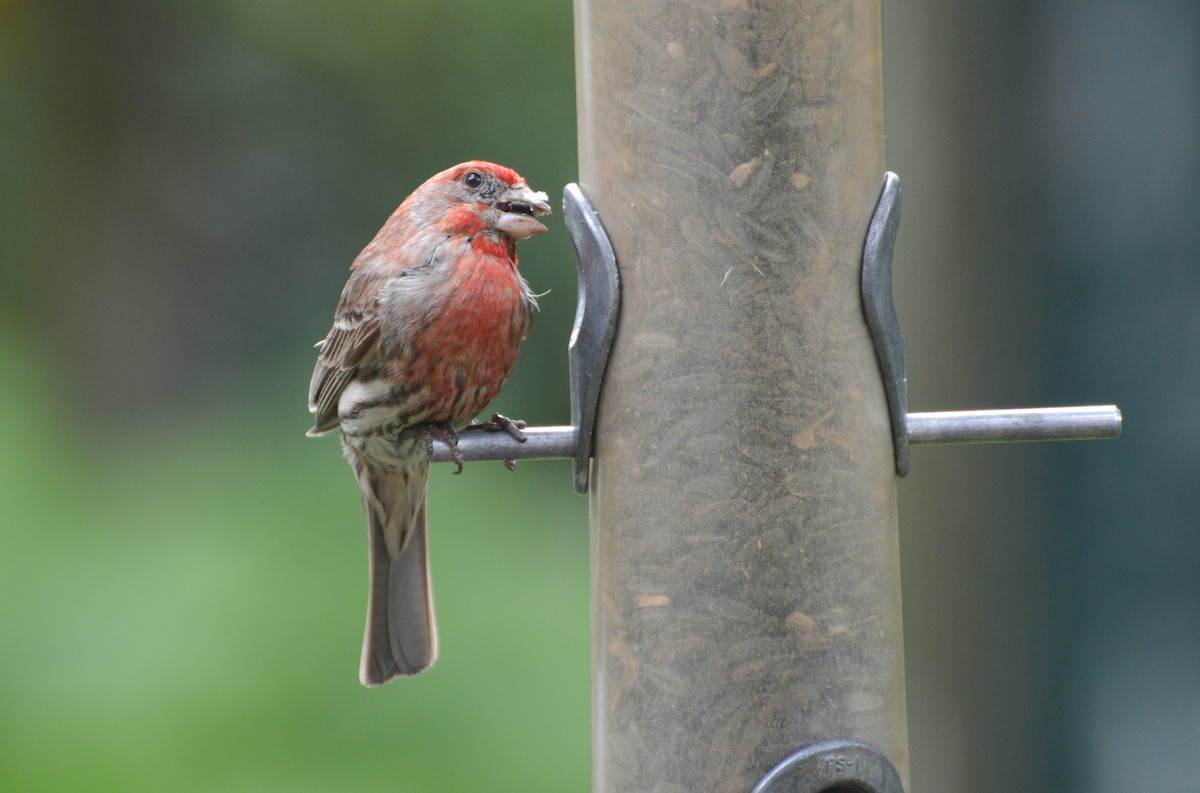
(425, 334)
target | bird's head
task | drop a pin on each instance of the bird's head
(481, 196)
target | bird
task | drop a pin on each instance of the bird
(425, 334)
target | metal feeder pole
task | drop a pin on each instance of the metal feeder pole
(745, 568)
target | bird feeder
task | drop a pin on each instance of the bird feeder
(739, 412)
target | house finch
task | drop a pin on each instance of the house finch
(425, 334)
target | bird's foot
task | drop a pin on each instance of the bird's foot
(501, 423)
(445, 432)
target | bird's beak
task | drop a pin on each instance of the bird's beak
(520, 208)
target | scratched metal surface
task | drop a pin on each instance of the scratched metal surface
(745, 565)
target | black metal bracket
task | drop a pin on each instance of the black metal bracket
(837, 765)
(963, 426)
(595, 322)
(880, 310)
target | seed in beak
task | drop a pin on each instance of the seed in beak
(520, 207)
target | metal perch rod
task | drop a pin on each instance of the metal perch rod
(543, 443)
(957, 426)
(1003, 426)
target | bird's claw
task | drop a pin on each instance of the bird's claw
(445, 432)
(501, 423)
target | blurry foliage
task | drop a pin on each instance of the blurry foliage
(183, 573)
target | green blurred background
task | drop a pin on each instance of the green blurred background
(182, 572)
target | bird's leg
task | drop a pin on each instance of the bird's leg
(445, 432)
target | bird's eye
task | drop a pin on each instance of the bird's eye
(473, 179)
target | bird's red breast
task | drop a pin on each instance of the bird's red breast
(463, 356)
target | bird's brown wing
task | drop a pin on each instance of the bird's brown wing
(354, 336)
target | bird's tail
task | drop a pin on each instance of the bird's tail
(400, 638)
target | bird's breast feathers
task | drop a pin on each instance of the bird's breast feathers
(450, 330)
